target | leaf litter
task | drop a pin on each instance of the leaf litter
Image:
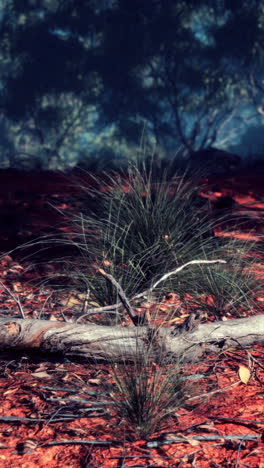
(58, 413)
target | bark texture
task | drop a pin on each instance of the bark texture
(127, 343)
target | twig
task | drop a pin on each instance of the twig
(121, 294)
(174, 272)
(248, 353)
(202, 438)
(237, 420)
(17, 301)
(84, 401)
(44, 305)
(125, 301)
(81, 442)
(202, 395)
(95, 310)
(34, 420)
(85, 312)
(73, 390)
(196, 451)
(85, 303)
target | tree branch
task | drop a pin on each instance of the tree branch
(121, 295)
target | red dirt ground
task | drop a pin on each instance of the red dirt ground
(57, 413)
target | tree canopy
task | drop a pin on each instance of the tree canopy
(80, 74)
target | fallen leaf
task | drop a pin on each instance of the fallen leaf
(9, 392)
(107, 263)
(192, 442)
(244, 374)
(17, 286)
(95, 381)
(53, 318)
(41, 375)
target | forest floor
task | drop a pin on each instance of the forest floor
(56, 412)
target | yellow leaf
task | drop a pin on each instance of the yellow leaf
(41, 375)
(93, 304)
(95, 381)
(9, 392)
(78, 300)
(244, 374)
(107, 263)
(192, 442)
(75, 301)
(53, 318)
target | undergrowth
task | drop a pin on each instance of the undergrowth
(136, 227)
(141, 227)
(147, 395)
(143, 224)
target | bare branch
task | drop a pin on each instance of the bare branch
(121, 294)
(174, 272)
(17, 301)
(126, 302)
(116, 343)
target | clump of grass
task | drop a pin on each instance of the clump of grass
(224, 290)
(147, 395)
(141, 226)
(144, 223)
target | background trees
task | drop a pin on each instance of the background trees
(84, 77)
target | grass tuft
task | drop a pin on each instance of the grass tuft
(142, 226)
(147, 395)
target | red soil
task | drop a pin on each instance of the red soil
(56, 394)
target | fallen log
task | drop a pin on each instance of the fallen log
(116, 343)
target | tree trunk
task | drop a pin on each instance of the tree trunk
(115, 343)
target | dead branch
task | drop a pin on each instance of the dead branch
(121, 294)
(180, 268)
(126, 302)
(116, 343)
(203, 438)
